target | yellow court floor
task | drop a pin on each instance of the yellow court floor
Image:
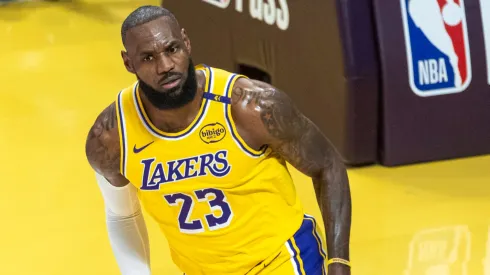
(60, 65)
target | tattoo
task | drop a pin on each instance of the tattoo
(109, 118)
(102, 146)
(301, 143)
(248, 96)
(296, 138)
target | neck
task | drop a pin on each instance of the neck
(175, 120)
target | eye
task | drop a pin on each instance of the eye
(173, 49)
(148, 58)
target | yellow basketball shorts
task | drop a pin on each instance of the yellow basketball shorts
(302, 254)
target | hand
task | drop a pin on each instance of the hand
(338, 269)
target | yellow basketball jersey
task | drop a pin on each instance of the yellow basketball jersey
(223, 206)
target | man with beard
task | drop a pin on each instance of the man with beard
(205, 151)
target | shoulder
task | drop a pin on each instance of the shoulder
(254, 92)
(250, 92)
(245, 87)
(262, 108)
(102, 145)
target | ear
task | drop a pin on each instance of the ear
(127, 62)
(187, 41)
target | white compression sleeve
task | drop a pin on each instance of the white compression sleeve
(126, 227)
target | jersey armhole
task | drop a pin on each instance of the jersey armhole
(121, 123)
(231, 123)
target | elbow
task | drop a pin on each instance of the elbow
(335, 172)
(122, 215)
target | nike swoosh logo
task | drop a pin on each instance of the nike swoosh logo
(137, 150)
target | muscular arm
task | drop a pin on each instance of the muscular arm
(278, 123)
(102, 147)
(125, 224)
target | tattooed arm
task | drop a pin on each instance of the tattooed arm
(102, 147)
(125, 224)
(269, 116)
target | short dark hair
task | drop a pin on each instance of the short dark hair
(142, 15)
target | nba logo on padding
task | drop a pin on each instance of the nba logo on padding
(437, 46)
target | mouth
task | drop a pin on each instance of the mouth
(171, 83)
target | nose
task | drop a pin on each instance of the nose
(164, 64)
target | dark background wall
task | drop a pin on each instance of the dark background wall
(345, 65)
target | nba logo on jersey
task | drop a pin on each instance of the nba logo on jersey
(437, 46)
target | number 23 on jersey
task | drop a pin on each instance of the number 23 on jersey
(217, 202)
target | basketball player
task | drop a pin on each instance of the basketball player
(205, 151)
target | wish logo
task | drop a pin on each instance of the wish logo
(212, 133)
(272, 12)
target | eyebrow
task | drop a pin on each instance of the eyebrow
(145, 53)
(167, 44)
(172, 42)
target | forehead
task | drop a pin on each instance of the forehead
(152, 34)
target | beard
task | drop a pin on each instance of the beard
(175, 97)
